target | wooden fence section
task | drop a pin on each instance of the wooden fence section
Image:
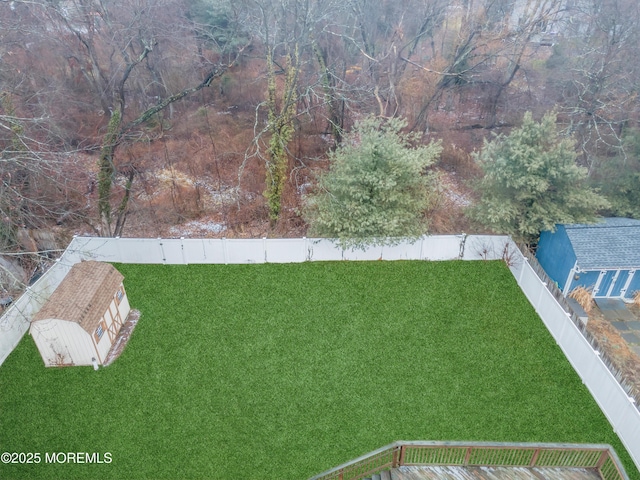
(600, 458)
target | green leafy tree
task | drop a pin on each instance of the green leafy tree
(532, 182)
(377, 188)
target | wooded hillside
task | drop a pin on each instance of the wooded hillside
(141, 117)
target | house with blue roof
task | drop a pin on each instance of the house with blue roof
(604, 257)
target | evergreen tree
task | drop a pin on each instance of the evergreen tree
(377, 188)
(532, 182)
(624, 194)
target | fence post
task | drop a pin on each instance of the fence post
(305, 251)
(463, 241)
(224, 251)
(525, 262)
(534, 458)
(264, 248)
(467, 456)
(184, 258)
(402, 453)
(164, 258)
(603, 458)
(541, 296)
(118, 248)
(394, 459)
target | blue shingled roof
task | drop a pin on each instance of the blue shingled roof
(614, 242)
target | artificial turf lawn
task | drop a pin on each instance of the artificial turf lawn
(281, 371)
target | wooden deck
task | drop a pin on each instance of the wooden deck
(452, 460)
(492, 473)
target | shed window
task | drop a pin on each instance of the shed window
(99, 331)
(119, 294)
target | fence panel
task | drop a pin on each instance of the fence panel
(286, 250)
(15, 322)
(404, 251)
(323, 249)
(485, 247)
(531, 286)
(172, 251)
(441, 247)
(122, 250)
(13, 325)
(372, 253)
(554, 317)
(206, 250)
(244, 250)
(95, 248)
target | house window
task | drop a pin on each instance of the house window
(99, 331)
(119, 294)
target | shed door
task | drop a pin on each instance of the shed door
(606, 279)
(116, 321)
(620, 283)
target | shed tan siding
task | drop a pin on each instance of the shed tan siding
(62, 343)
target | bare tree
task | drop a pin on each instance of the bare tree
(115, 55)
(599, 81)
(388, 34)
(299, 82)
(484, 44)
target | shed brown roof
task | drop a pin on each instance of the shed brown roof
(83, 295)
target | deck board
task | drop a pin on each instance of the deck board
(492, 473)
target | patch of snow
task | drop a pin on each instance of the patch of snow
(458, 199)
(197, 228)
(451, 188)
(302, 189)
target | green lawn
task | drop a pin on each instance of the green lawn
(282, 371)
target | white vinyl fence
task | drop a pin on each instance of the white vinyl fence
(612, 398)
(15, 321)
(619, 408)
(282, 250)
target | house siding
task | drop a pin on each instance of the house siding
(586, 279)
(79, 343)
(556, 255)
(604, 256)
(634, 286)
(619, 282)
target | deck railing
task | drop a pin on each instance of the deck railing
(601, 458)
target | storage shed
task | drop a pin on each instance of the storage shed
(83, 316)
(604, 257)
